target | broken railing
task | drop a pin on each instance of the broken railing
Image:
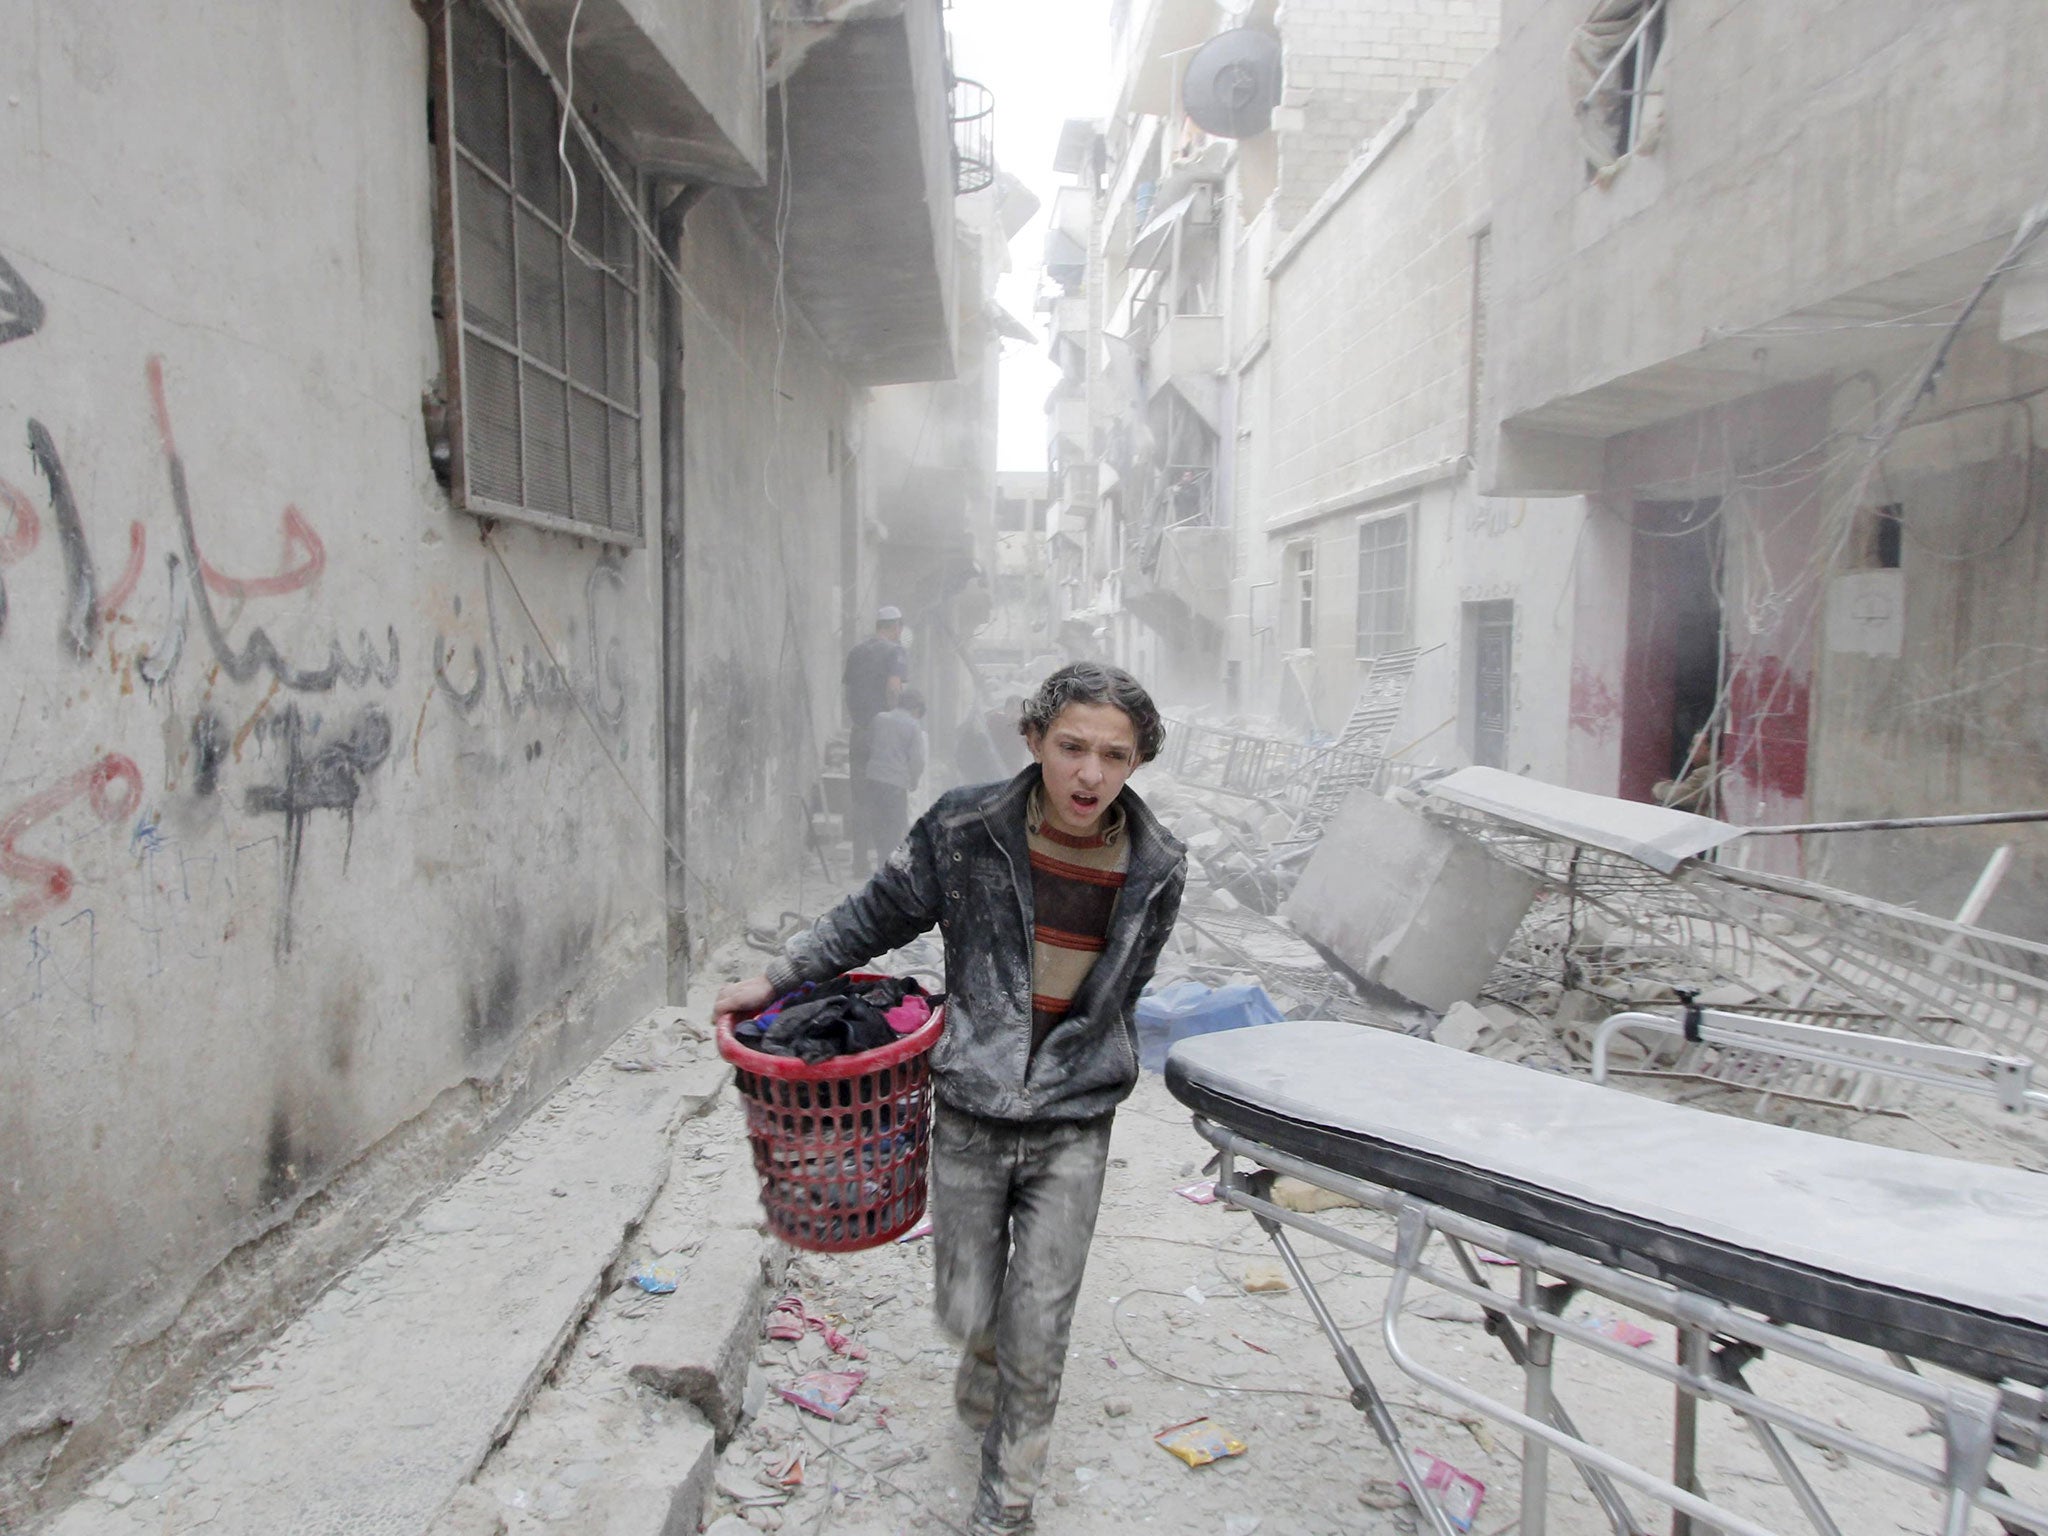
(1797, 949)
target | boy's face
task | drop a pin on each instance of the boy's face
(1087, 753)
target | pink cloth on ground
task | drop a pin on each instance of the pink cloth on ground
(909, 1015)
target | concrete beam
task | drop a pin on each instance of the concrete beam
(679, 85)
(865, 225)
(1528, 462)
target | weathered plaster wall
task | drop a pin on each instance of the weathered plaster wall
(308, 854)
(766, 424)
(1807, 150)
(1348, 66)
(1371, 310)
(1945, 708)
(1362, 403)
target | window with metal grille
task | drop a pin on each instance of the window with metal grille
(543, 323)
(1382, 582)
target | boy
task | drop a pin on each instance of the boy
(1055, 892)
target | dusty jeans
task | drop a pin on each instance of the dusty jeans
(1013, 1208)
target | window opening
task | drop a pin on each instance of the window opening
(545, 327)
(1382, 583)
(1613, 63)
(1301, 580)
(1888, 535)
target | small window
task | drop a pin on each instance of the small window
(1301, 593)
(1888, 536)
(543, 325)
(1382, 582)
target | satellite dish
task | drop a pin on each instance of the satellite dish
(1233, 83)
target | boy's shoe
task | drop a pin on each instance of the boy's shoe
(1008, 1523)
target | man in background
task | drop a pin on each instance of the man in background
(896, 757)
(876, 671)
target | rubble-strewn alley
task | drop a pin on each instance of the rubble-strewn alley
(1409, 633)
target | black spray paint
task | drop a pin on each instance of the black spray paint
(261, 653)
(81, 589)
(163, 657)
(21, 311)
(318, 776)
(209, 751)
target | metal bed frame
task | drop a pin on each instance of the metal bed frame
(1988, 1398)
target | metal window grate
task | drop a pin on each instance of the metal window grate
(547, 317)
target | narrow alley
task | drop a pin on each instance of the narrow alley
(851, 767)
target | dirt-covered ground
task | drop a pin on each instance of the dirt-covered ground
(1175, 1324)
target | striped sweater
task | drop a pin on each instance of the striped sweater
(1074, 887)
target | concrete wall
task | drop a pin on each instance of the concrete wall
(1361, 403)
(1929, 694)
(766, 428)
(1348, 66)
(311, 864)
(1807, 150)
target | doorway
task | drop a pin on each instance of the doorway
(1489, 672)
(1673, 672)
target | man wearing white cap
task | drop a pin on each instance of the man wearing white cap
(876, 670)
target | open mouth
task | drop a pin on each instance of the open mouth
(1085, 805)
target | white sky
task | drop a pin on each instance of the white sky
(1046, 61)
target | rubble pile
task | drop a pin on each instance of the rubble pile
(1237, 877)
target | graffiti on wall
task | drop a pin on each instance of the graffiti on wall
(259, 653)
(21, 312)
(112, 787)
(320, 773)
(180, 608)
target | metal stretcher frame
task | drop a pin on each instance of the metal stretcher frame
(1715, 1342)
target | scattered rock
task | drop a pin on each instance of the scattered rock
(1462, 1027)
(1300, 1195)
(1115, 1407)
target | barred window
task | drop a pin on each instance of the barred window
(544, 327)
(1382, 582)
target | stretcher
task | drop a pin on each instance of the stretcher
(1921, 1278)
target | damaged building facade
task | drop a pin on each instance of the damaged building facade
(1750, 315)
(429, 535)
(1555, 343)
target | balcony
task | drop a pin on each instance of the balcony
(1186, 347)
(1070, 317)
(868, 222)
(1188, 583)
(1067, 422)
(974, 140)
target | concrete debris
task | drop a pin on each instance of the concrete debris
(1407, 904)
(1300, 1195)
(701, 1351)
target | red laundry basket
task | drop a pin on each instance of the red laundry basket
(841, 1146)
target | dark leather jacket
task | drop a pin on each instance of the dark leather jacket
(965, 866)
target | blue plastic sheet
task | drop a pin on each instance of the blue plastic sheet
(1183, 1009)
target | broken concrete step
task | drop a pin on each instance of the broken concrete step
(369, 1413)
(702, 1338)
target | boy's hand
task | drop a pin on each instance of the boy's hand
(738, 997)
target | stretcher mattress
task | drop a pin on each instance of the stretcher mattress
(1942, 1260)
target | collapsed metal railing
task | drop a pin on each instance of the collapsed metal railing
(1802, 949)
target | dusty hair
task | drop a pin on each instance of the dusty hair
(1091, 682)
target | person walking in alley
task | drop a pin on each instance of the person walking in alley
(1055, 892)
(896, 756)
(874, 677)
